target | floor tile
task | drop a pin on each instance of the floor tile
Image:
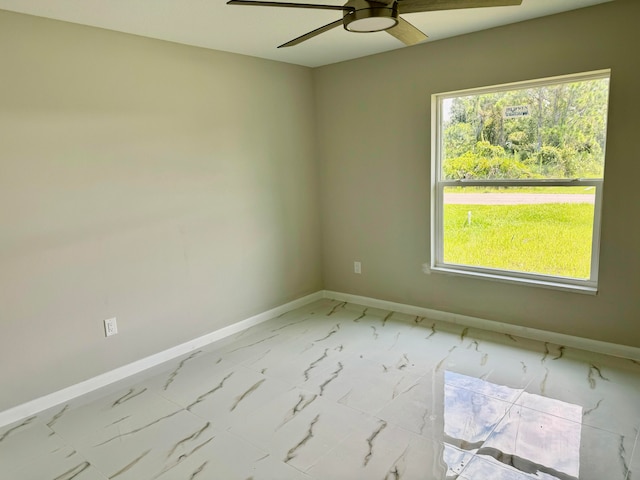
(26, 442)
(64, 463)
(388, 452)
(149, 449)
(228, 457)
(634, 464)
(127, 409)
(533, 444)
(234, 394)
(335, 390)
(297, 427)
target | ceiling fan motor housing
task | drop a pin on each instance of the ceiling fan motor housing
(370, 16)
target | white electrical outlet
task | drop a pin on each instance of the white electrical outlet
(357, 267)
(110, 327)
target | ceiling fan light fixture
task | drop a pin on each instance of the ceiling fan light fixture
(371, 20)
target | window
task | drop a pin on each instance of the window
(517, 173)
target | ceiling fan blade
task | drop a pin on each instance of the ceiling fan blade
(415, 6)
(312, 34)
(406, 33)
(290, 5)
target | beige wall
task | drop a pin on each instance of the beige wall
(374, 142)
(177, 188)
(172, 187)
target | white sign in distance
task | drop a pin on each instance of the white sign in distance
(516, 112)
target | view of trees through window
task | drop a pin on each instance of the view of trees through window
(554, 131)
(519, 170)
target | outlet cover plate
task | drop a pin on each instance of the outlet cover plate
(110, 327)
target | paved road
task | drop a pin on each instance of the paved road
(516, 198)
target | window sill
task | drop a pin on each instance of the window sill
(505, 278)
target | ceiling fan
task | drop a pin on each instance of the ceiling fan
(375, 16)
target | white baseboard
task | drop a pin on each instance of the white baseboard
(33, 407)
(613, 349)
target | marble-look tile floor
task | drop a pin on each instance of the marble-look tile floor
(339, 391)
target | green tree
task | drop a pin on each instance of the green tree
(563, 135)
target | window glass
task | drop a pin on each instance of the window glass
(546, 230)
(518, 176)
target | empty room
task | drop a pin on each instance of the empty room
(329, 241)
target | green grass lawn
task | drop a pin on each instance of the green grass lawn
(552, 239)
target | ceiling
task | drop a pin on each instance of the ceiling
(257, 31)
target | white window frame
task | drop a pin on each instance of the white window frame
(438, 184)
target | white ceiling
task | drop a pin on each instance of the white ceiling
(257, 31)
